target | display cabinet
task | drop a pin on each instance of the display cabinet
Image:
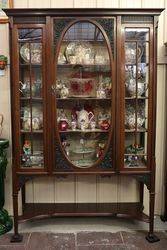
(83, 87)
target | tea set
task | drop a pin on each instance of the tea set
(83, 120)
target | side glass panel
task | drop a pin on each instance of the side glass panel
(31, 98)
(136, 96)
(83, 92)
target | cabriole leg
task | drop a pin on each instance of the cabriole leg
(16, 236)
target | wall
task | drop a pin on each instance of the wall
(82, 188)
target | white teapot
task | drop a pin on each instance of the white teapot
(83, 118)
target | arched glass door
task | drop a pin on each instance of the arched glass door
(83, 90)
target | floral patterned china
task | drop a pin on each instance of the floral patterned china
(131, 88)
(130, 116)
(80, 53)
(35, 50)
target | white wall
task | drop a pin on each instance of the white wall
(84, 188)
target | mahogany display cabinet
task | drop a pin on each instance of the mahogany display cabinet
(83, 95)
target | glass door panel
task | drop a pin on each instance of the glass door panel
(31, 98)
(136, 96)
(83, 92)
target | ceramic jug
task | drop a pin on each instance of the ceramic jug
(83, 118)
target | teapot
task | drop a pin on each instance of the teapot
(83, 118)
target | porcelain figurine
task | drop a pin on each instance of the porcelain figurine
(36, 123)
(27, 147)
(64, 92)
(25, 88)
(101, 91)
(100, 150)
(62, 121)
(73, 125)
(92, 124)
(60, 89)
(66, 146)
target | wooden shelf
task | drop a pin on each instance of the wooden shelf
(134, 210)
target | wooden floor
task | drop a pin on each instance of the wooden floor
(84, 241)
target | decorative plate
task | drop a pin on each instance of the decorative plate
(130, 53)
(80, 53)
(36, 52)
(130, 116)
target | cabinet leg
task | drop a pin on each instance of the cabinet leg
(141, 194)
(151, 237)
(23, 196)
(16, 236)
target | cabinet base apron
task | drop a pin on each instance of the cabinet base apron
(39, 210)
(132, 210)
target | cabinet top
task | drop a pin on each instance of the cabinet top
(81, 12)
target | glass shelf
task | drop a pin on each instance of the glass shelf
(83, 65)
(31, 99)
(141, 130)
(33, 132)
(83, 98)
(29, 64)
(84, 131)
(133, 98)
